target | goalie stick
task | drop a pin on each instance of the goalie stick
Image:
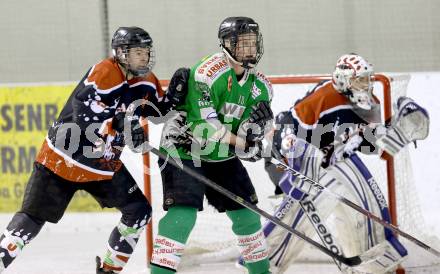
(317, 185)
(350, 261)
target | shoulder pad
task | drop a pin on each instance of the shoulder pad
(105, 76)
(263, 79)
(211, 69)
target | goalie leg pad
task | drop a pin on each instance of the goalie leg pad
(380, 200)
(306, 159)
(285, 248)
(379, 259)
(383, 250)
(324, 233)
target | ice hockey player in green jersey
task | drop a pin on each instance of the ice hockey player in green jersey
(223, 119)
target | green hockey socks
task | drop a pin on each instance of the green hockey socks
(174, 230)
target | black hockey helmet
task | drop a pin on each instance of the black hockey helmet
(229, 30)
(126, 38)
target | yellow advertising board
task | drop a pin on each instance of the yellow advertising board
(26, 112)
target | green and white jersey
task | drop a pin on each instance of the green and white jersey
(215, 98)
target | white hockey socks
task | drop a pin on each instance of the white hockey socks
(167, 253)
(174, 230)
(251, 241)
(252, 247)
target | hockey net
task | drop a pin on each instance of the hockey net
(212, 240)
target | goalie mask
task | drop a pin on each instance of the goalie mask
(132, 48)
(241, 41)
(353, 77)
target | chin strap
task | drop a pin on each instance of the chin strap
(235, 61)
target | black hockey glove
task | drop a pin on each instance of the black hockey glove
(138, 135)
(252, 153)
(178, 87)
(259, 149)
(260, 115)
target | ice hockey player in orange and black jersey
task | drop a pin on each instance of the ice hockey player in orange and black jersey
(83, 146)
(104, 92)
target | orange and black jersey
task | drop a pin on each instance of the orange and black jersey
(323, 117)
(81, 145)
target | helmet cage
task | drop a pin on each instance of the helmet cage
(122, 58)
(126, 38)
(245, 61)
(229, 32)
(350, 69)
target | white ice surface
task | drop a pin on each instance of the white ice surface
(70, 247)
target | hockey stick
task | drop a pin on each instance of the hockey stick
(351, 261)
(317, 185)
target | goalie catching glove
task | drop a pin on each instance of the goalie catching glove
(411, 123)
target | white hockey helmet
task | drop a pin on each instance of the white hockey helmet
(353, 77)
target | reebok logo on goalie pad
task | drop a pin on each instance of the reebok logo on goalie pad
(324, 234)
(282, 212)
(377, 193)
